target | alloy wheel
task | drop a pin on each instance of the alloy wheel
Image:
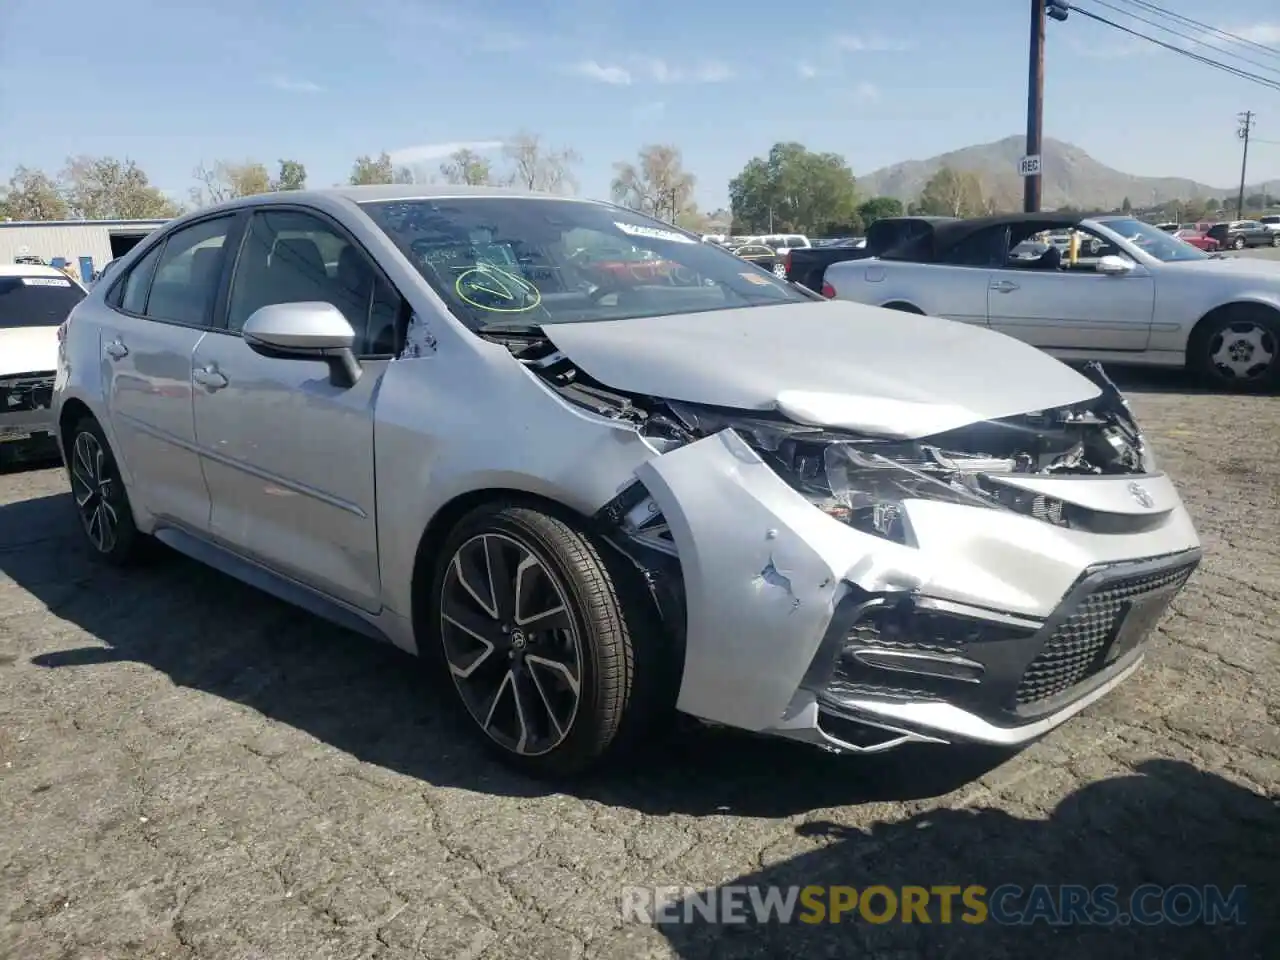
(511, 644)
(1243, 351)
(93, 486)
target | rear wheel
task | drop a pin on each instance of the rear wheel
(1275, 239)
(1238, 243)
(102, 503)
(537, 638)
(1238, 349)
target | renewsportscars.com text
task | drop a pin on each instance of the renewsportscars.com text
(1008, 905)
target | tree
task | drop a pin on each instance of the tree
(657, 185)
(368, 170)
(878, 208)
(537, 167)
(104, 188)
(952, 193)
(34, 195)
(467, 167)
(293, 176)
(794, 190)
(1126, 206)
(226, 180)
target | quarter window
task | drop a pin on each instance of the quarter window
(294, 257)
(187, 273)
(986, 248)
(133, 298)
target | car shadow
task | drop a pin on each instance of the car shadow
(1138, 379)
(1168, 824)
(208, 632)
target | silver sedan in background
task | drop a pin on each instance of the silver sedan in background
(1130, 294)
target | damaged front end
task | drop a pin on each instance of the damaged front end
(858, 592)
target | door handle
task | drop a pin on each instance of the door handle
(1004, 286)
(116, 349)
(209, 377)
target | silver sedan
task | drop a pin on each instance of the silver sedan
(594, 498)
(1129, 293)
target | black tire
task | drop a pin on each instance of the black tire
(1238, 243)
(100, 498)
(1252, 321)
(904, 308)
(1275, 239)
(601, 611)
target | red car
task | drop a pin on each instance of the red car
(1198, 239)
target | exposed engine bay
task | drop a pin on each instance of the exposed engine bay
(850, 474)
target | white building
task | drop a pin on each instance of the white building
(100, 241)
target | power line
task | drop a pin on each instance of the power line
(1226, 35)
(1191, 39)
(1208, 61)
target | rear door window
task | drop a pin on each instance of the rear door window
(36, 301)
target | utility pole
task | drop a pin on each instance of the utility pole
(1035, 105)
(1246, 125)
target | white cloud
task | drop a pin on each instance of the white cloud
(856, 43)
(660, 71)
(866, 93)
(602, 73)
(806, 71)
(424, 152)
(1264, 33)
(294, 85)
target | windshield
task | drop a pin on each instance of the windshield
(36, 301)
(542, 261)
(1153, 241)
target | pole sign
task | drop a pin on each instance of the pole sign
(1029, 166)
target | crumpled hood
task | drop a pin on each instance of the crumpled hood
(28, 350)
(835, 364)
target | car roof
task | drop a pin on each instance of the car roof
(30, 270)
(388, 191)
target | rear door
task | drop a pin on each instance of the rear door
(159, 311)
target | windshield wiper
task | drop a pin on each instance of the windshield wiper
(509, 326)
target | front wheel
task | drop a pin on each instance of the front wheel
(1238, 243)
(1239, 349)
(780, 271)
(536, 637)
(1275, 239)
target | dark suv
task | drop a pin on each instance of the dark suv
(1239, 234)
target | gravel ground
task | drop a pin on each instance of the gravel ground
(189, 769)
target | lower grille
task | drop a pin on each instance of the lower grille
(26, 391)
(1080, 646)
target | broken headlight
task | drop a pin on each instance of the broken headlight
(867, 491)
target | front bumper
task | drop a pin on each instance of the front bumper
(995, 628)
(892, 670)
(26, 407)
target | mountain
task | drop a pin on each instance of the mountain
(1069, 177)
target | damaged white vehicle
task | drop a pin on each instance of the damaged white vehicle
(601, 486)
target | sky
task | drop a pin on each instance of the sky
(178, 83)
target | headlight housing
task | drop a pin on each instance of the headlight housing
(868, 490)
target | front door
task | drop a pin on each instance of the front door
(159, 314)
(1073, 307)
(288, 455)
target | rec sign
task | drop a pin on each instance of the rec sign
(1029, 166)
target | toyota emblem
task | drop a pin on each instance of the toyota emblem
(1139, 493)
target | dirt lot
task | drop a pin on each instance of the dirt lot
(191, 770)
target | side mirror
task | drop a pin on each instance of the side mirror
(305, 331)
(1114, 266)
